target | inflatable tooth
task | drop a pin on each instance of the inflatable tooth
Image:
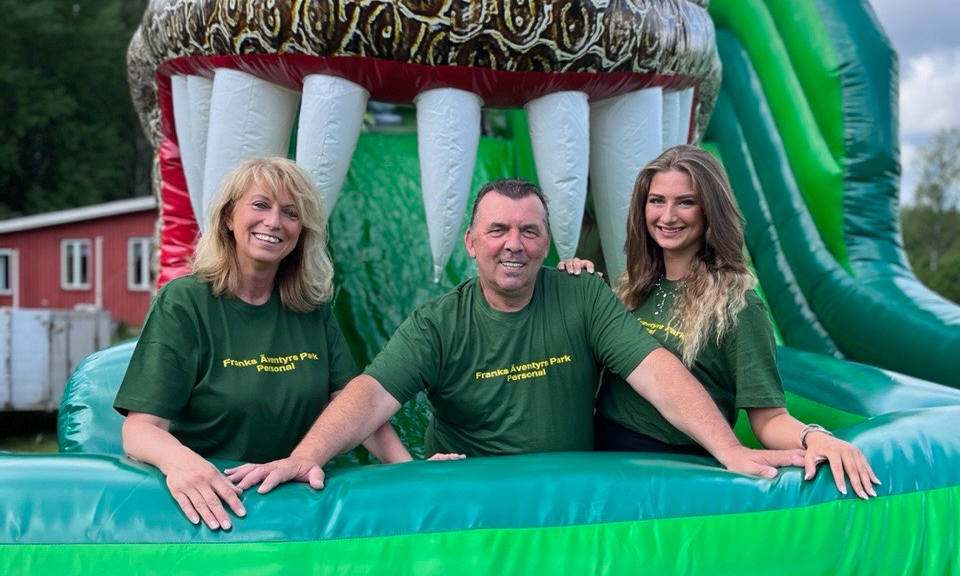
(505, 54)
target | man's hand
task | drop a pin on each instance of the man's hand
(843, 457)
(447, 456)
(575, 265)
(200, 490)
(272, 474)
(762, 463)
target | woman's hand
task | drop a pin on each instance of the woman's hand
(197, 486)
(574, 266)
(776, 428)
(843, 457)
(200, 490)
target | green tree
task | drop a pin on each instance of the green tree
(931, 227)
(68, 132)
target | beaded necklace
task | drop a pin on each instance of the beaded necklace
(663, 294)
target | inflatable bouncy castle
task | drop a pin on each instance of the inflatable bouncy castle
(797, 98)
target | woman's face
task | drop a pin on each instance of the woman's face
(674, 215)
(266, 229)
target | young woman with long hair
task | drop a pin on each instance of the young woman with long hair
(688, 282)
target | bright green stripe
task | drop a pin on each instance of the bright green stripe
(818, 175)
(816, 65)
(807, 410)
(911, 533)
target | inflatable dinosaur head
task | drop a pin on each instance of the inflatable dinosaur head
(606, 86)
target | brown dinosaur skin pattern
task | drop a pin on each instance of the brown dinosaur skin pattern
(662, 38)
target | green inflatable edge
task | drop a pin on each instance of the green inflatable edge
(621, 548)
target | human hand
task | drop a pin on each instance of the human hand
(200, 490)
(574, 266)
(447, 456)
(272, 474)
(763, 463)
(843, 457)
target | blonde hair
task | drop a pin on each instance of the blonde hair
(712, 294)
(305, 276)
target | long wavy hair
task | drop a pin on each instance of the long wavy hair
(712, 294)
(305, 276)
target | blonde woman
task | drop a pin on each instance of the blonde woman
(237, 360)
(687, 281)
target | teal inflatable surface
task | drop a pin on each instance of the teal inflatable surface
(544, 513)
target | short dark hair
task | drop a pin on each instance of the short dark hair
(514, 189)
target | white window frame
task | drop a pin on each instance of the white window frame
(75, 265)
(11, 274)
(146, 267)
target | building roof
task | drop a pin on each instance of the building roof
(78, 214)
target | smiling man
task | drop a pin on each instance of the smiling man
(510, 361)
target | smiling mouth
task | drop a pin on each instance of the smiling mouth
(671, 231)
(266, 238)
(513, 265)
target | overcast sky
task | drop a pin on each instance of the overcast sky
(926, 34)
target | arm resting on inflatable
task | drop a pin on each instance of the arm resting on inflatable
(384, 443)
(664, 381)
(197, 485)
(776, 428)
(359, 410)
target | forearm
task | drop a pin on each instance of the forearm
(386, 446)
(775, 428)
(663, 380)
(152, 444)
(352, 417)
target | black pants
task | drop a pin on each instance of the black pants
(609, 436)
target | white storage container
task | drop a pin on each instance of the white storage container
(40, 348)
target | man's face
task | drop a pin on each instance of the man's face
(509, 240)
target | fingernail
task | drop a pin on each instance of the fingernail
(243, 512)
(771, 473)
(226, 526)
(195, 520)
(843, 490)
(873, 492)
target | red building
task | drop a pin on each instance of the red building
(96, 256)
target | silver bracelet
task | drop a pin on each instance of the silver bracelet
(806, 430)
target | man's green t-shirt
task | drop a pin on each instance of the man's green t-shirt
(740, 372)
(237, 381)
(512, 382)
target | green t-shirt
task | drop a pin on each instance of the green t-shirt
(237, 381)
(512, 382)
(740, 372)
